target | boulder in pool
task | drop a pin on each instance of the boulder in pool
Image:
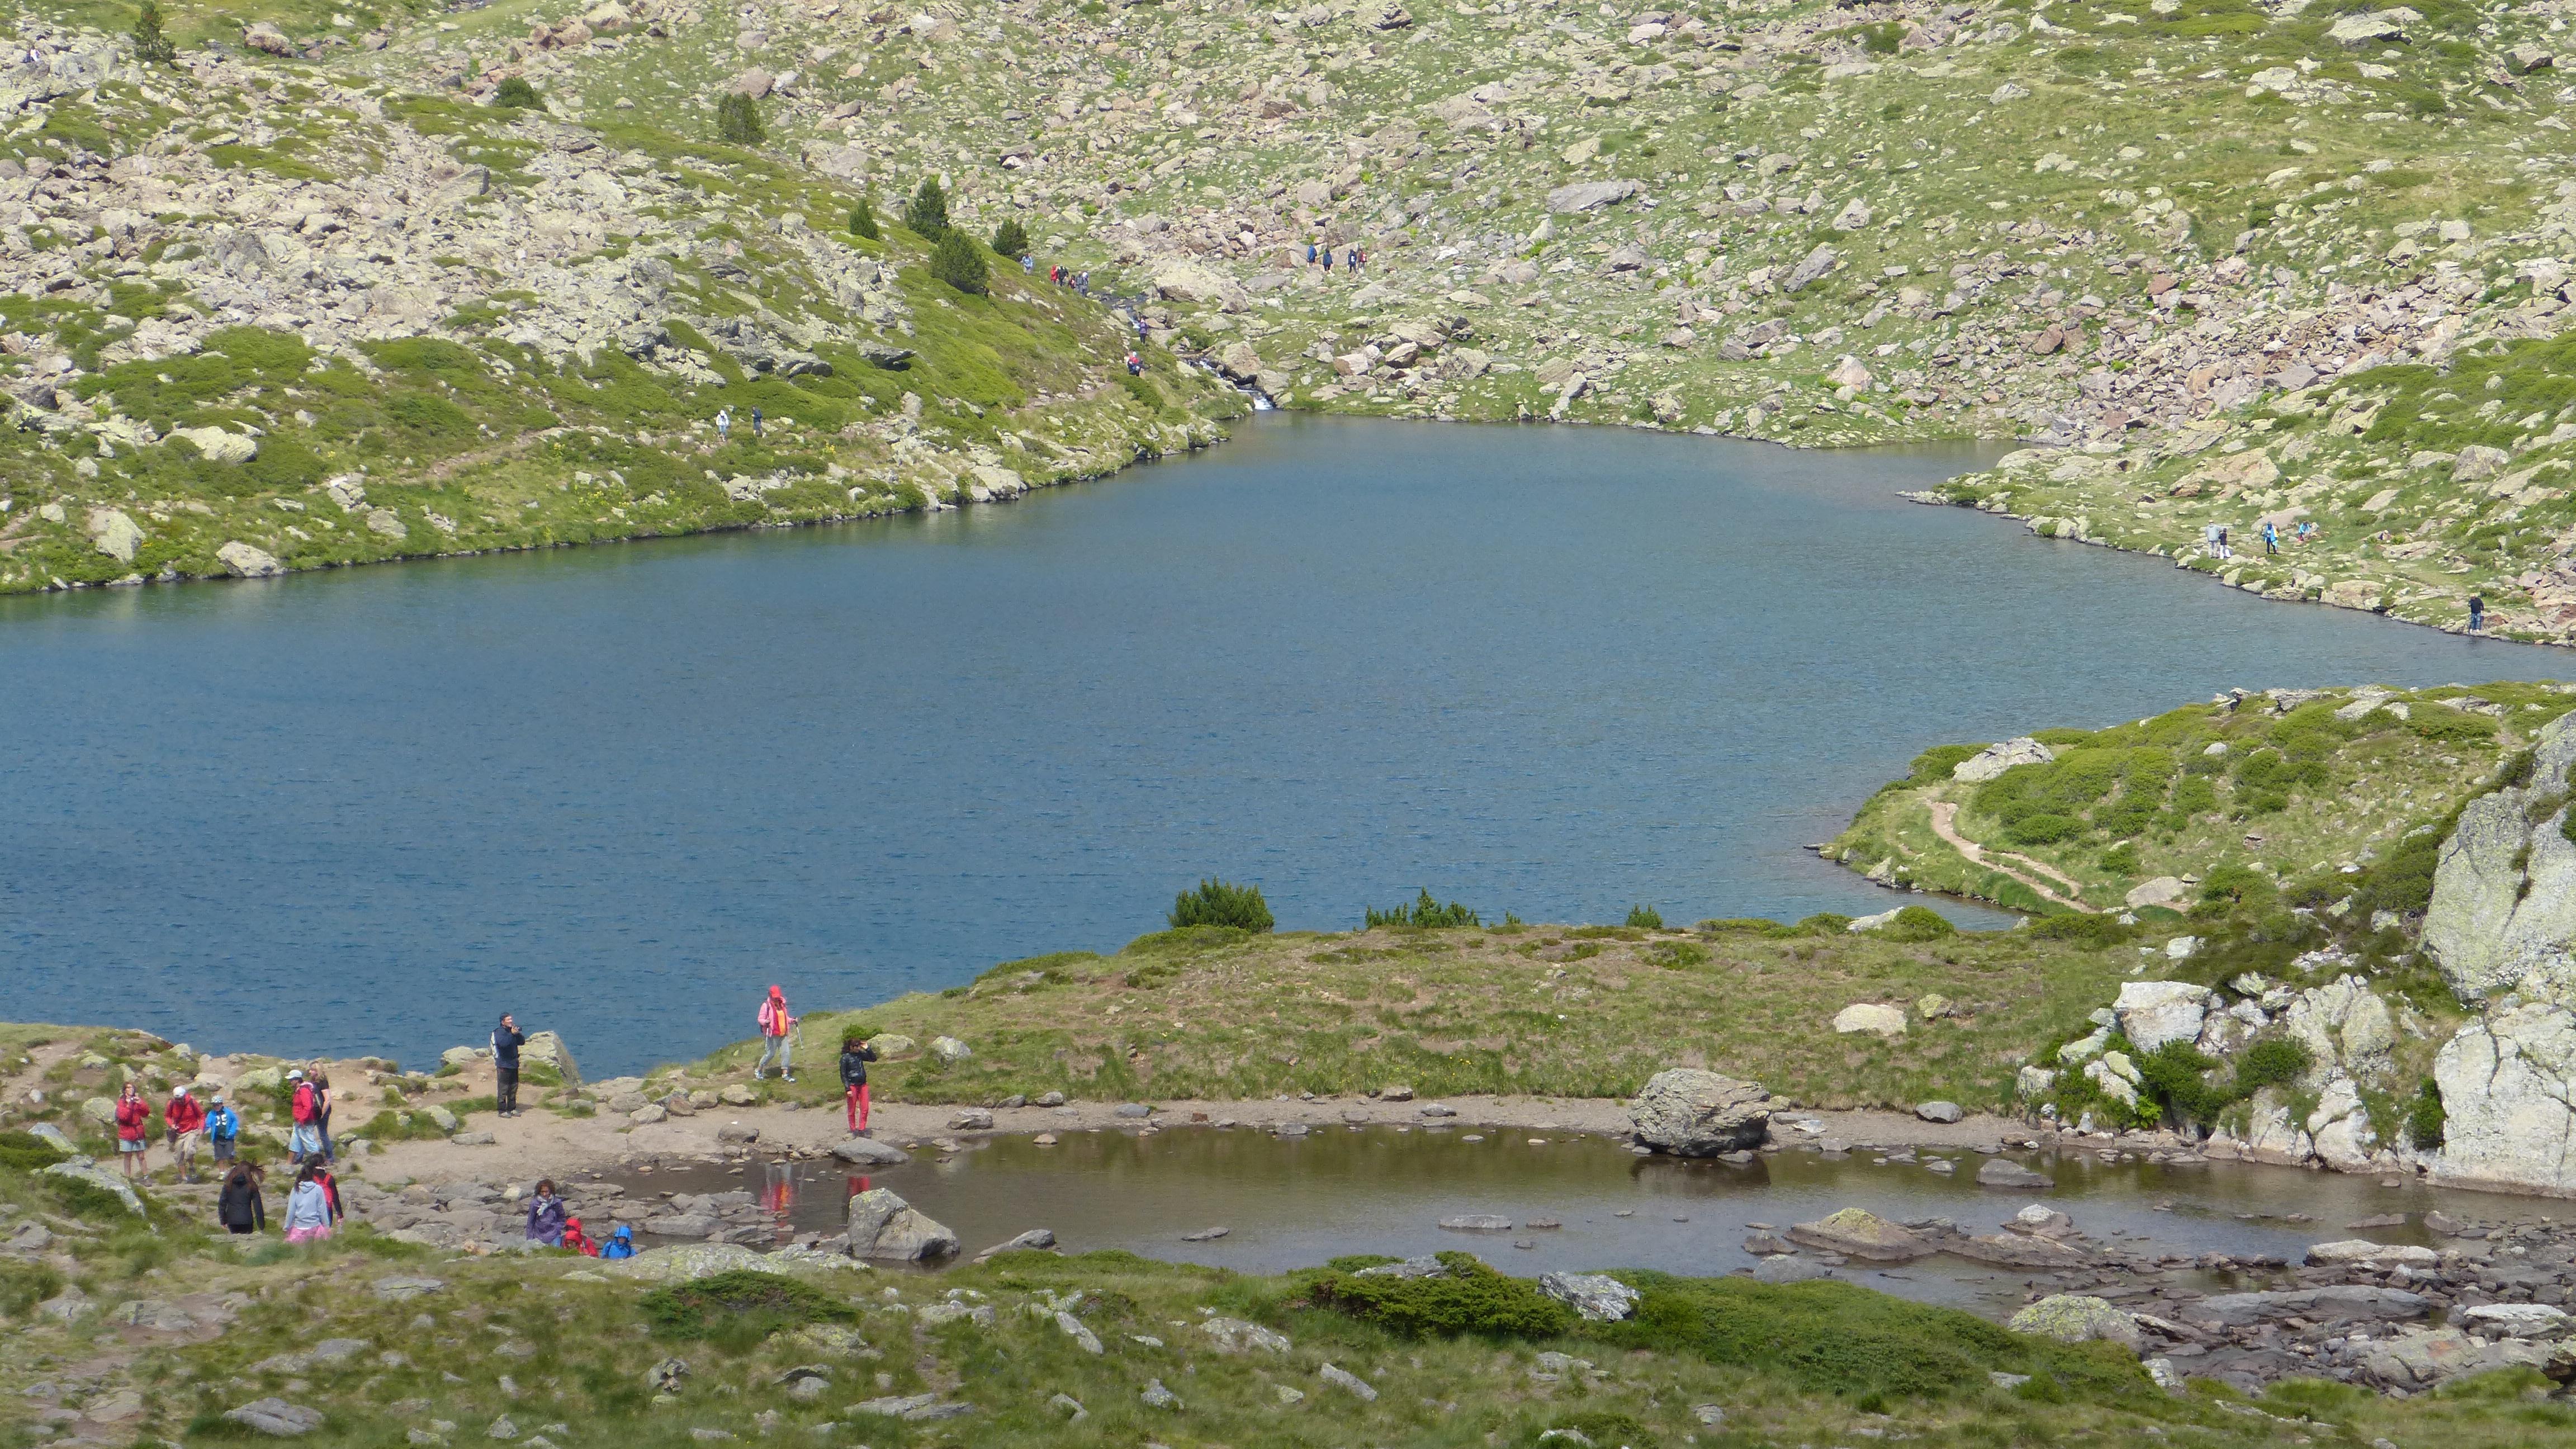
(887, 1229)
(2003, 1172)
(869, 1152)
(1786, 1268)
(1692, 1113)
(2077, 1318)
(1860, 1233)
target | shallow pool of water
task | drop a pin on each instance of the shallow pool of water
(619, 790)
(1290, 1203)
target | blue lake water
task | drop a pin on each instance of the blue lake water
(621, 789)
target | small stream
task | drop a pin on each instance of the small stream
(1290, 1203)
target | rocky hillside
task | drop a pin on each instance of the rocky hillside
(2224, 261)
(2354, 912)
(259, 314)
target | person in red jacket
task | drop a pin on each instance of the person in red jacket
(187, 1123)
(133, 1128)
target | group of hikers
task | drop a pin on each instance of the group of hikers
(778, 1043)
(551, 1224)
(214, 1128)
(1353, 258)
(1061, 275)
(2214, 538)
(724, 424)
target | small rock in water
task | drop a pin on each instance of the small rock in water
(1477, 1223)
(1205, 1235)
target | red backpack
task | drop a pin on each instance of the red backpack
(304, 1103)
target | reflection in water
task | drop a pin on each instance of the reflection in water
(1291, 1203)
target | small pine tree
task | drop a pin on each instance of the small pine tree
(1645, 918)
(1217, 903)
(151, 46)
(957, 262)
(928, 213)
(863, 220)
(1011, 239)
(515, 92)
(738, 120)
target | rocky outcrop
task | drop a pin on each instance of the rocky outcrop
(1993, 760)
(1691, 1113)
(2508, 1086)
(2503, 912)
(2078, 1318)
(2152, 1013)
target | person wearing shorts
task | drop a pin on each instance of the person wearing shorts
(133, 1131)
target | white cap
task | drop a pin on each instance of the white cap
(295, 1076)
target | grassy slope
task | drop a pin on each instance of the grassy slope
(475, 442)
(1809, 1363)
(1540, 1010)
(2295, 796)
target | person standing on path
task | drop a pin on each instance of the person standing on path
(775, 1023)
(755, 423)
(223, 1129)
(321, 1081)
(133, 1131)
(2271, 538)
(546, 1215)
(724, 424)
(1328, 264)
(308, 1210)
(2477, 613)
(304, 1110)
(187, 1123)
(506, 1041)
(855, 1056)
(239, 1209)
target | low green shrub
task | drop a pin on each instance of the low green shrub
(1011, 239)
(1823, 923)
(1470, 1298)
(1917, 924)
(1645, 918)
(738, 120)
(863, 220)
(2426, 1119)
(24, 1285)
(514, 93)
(2094, 930)
(1841, 1338)
(740, 1305)
(2274, 1061)
(1221, 903)
(27, 1152)
(1675, 955)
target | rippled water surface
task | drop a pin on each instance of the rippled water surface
(619, 789)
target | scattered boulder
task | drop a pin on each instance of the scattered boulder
(886, 1228)
(687, 1262)
(1993, 760)
(276, 1418)
(1943, 1112)
(1589, 195)
(2152, 1013)
(1693, 1113)
(2005, 1173)
(1860, 1233)
(1870, 1017)
(2077, 1318)
(1598, 1297)
(868, 1152)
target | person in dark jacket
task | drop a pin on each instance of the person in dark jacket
(855, 1056)
(546, 1216)
(506, 1041)
(239, 1208)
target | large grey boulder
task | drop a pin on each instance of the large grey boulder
(1860, 1233)
(1693, 1113)
(2152, 1013)
(885, 1228)
(2426, 1357)
(82, 1170)
(869, 1152)
(548, 1047)
(2504, 891)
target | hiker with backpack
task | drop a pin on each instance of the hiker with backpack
(506, 1041)
(186, 1123)
(304, 1108)
(133, 1131)
(223, 1128)
(321, 1081)
(855, 1056)
(239, 1208)
(775, 1023)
